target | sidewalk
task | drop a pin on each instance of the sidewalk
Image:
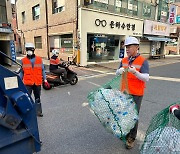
(152, 62)
(114, 65)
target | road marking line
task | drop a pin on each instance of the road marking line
(164, 78)
(85, 104)
(95, 76)
(110, 73)
(94, 84)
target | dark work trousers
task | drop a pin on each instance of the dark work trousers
(133, 132)
(37, 93)
(59, 71)
(177, 113)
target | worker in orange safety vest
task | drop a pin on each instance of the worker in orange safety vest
(33, 74)
(135, 72)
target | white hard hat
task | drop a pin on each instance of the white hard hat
(55, 52)
(29, 45)
(131, 40)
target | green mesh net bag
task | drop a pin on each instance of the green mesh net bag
(163, 135)
(115, 110)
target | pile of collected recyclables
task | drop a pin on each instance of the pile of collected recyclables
(162, 135)
(115, 110)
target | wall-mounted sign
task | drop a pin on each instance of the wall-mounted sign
(5, 37)
(5, 30)
(172, 14)
(66, 42)
(12, 50)
(102, 1)
(115, 24)
(104, 23)
(156, 28)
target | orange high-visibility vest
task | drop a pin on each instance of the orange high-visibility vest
(132, 84)
(54, 61)
(32, 75)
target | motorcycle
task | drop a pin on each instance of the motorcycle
(55, 80)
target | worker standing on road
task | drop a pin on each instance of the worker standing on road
(137, 69)
(32, 73)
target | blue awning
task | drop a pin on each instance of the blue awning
(163, 39)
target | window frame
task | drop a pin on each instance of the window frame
(23, 15)
(34, 16)
(38, 43)
(57, 9)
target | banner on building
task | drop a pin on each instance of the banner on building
(156, 28)
(12, 50)
(172, 14)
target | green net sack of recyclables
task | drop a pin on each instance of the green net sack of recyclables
(163, 135)
(115, 110)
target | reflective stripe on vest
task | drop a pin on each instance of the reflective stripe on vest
(32, 75)
(134, 85)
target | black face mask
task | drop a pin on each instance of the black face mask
(31, 57)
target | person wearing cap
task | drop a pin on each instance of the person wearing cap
(136, 69)
(32, 73)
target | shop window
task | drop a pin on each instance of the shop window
(146, 10)
(58, 6)
(23, 17)
(132, 7)
(118, 5)
(67, 43)
(36, 12)
(102, 47)
(38, 42)
(124, 6)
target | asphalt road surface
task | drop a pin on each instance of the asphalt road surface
(68, 126)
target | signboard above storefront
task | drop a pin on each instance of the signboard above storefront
(156, 28)
(104, 23)
(102, 1)
(5, 30)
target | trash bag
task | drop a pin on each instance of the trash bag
(116, 111)
(163, 134)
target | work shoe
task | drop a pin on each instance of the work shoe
(40, 114)
(130, 143)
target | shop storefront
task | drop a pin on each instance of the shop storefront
(101, 35)
(157, 34)
(64, 43)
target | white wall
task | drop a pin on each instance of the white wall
(87, 25)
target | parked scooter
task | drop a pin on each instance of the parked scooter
(57, 80)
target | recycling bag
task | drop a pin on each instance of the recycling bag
(116, 111)
(163, 134)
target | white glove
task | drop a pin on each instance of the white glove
(132, 69)
(120, 71)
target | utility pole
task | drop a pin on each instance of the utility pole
(47, 29)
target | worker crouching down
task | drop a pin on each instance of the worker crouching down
(32, 73)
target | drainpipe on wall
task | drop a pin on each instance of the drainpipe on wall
(47, 29)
